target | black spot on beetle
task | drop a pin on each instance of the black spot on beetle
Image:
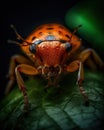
(60, 32)
(62, 41)
(40, 33)
(33, 38)
(50, 28)
(67, 36)
(49, 32)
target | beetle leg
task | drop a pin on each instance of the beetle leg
(78, 65)
(26, 69)
(11, 74)
(92, 58)
(80, 81)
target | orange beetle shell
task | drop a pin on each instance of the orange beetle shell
(59, 33)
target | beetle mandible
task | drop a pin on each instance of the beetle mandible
(52, 49)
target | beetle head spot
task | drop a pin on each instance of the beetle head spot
(37, 42)
(50, 37)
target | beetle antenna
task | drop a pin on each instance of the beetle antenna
(18, 36)
(75, 30)
(13, 42)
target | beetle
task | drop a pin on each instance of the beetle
(52, 49)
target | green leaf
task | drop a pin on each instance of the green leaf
(60, 108)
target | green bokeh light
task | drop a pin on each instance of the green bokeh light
(92, 24)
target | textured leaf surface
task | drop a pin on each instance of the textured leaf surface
(60, 108)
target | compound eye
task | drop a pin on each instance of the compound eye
(33, 48)
(68, 46)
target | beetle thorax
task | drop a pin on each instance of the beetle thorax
(51, 53)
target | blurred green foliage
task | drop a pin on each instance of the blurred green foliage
(89, 14)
